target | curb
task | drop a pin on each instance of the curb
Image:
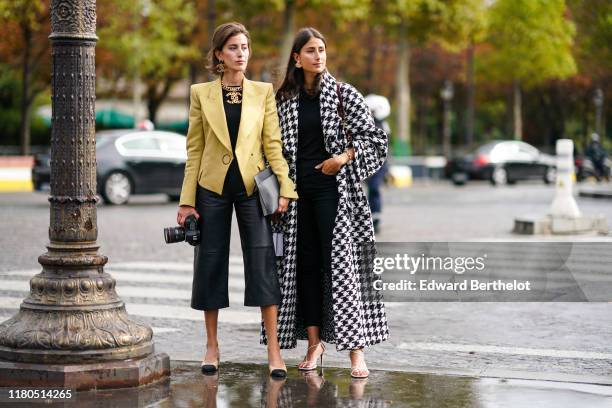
(596, 193)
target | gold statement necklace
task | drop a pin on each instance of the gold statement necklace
(234, 93)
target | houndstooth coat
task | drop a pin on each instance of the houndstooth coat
(353, 314)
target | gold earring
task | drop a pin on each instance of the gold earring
(220, 67)
(298, 65)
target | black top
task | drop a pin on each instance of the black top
(233, 180)
(311, 144)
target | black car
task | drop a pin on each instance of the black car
(130, 161)
(503, 162)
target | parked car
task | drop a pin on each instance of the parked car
(503, 162)
(130, 161)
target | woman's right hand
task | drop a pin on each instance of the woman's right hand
(185, 211)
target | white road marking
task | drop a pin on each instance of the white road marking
(234, 315)
(478, 348)
(165, 266)
(235, 282)
(235, 291)
(160, 330)
(157, 274)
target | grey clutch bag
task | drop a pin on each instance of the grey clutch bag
(269, 190)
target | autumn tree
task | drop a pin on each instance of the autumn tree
(593, 52)
(149, 42)
(25, 47)
(531, 42)
(416, 23)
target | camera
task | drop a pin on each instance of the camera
(189, 233)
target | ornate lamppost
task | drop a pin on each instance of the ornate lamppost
(73, 330)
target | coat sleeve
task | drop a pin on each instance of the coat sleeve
(195, 147)
(273, 147)
(369, 141)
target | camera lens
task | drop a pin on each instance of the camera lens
(174, 234)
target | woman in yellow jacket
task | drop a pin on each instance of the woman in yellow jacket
(233, 125)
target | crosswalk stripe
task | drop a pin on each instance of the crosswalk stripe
(245, 316)
(165, 266)
(156, 330)
(236, 279)
(156, 275)
(21, 272)
(235, 294)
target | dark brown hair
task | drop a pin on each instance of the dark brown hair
(294, 77)
(223, 33)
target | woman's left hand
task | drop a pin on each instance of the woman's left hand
(331, 166)
(283, 204)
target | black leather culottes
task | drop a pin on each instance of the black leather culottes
(211, 260)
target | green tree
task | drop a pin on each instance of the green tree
(340, 11)
(29, 52)
(417, 23)
(531, 42)
(467, 30)
(593, 20)
(149, 43)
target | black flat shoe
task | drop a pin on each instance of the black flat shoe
(210, 368)
(278, 373)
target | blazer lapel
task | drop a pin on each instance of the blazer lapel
(251, 108)
(215, 114)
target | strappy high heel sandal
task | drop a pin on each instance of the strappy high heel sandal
(308, 365)
(210, 368)
(361, 371)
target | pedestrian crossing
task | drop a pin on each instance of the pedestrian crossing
(157, 290)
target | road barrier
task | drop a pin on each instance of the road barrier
(16, 173)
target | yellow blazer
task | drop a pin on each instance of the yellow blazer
(209, 149)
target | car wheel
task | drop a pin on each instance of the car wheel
(117, 188)
(550, 175)
(499, 176)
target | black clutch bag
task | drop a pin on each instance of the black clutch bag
(269, 190)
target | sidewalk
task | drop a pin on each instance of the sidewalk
(596, 191)
(248, 385)
(557, 341)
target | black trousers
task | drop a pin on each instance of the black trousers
(317, 207)
(211, 260)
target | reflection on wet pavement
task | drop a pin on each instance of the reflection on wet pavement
(248, 385)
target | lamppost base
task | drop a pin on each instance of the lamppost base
(82, 377)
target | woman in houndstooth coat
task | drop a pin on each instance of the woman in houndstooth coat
(326, 269)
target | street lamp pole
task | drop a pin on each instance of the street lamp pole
(73, 322)
(598, 100)
(143, 9)
(447, 93)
